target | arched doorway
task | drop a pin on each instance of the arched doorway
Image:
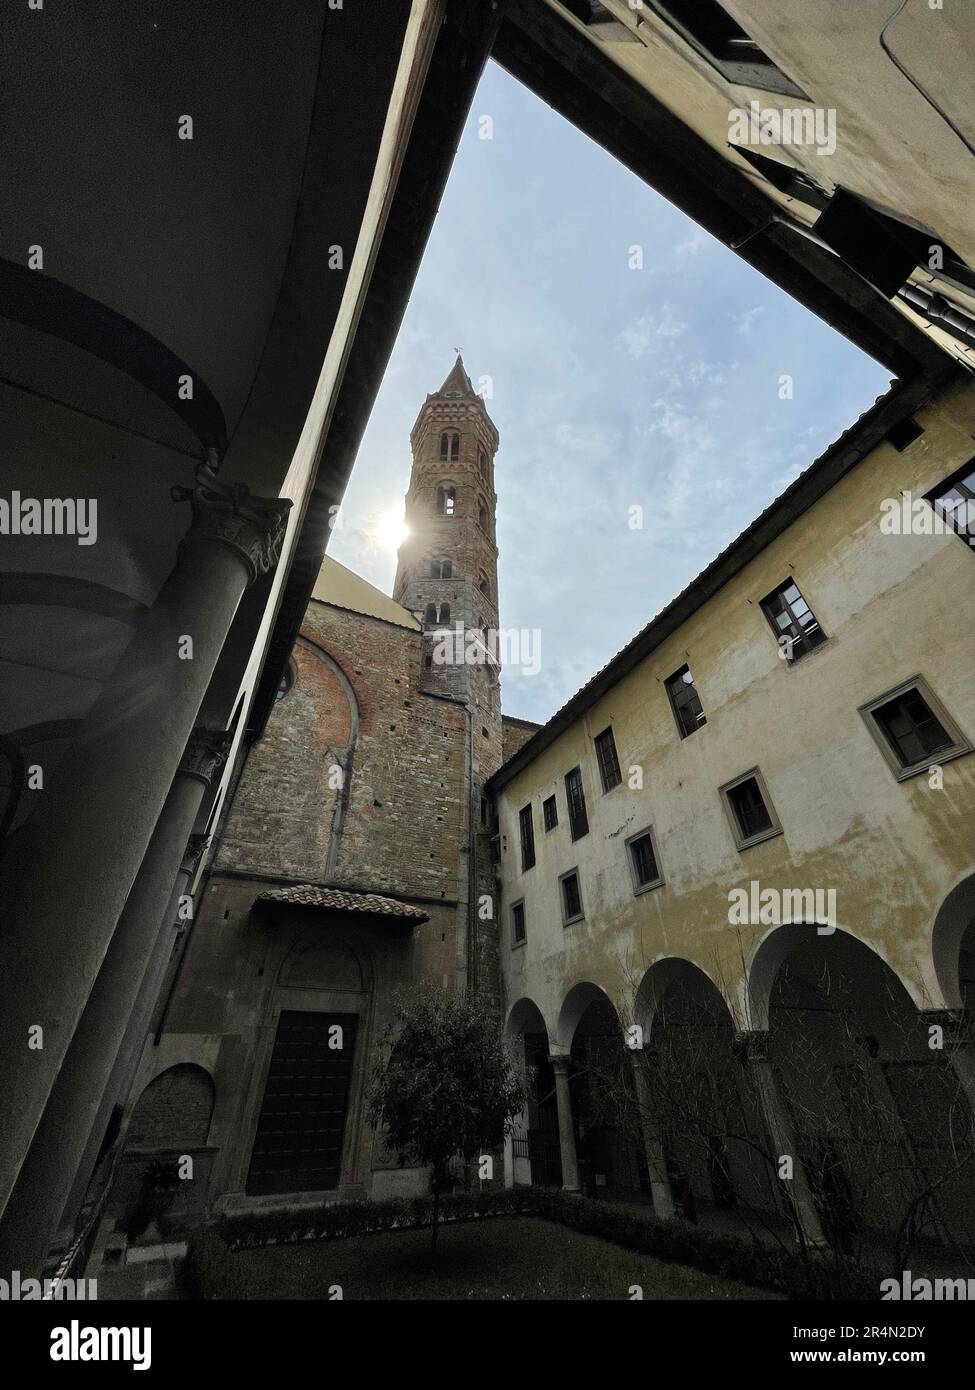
(880, 1119)
(606, 1121)
(535, 1154)
(706, 1115)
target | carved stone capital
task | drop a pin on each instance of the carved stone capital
(205, 754)
(195, 847)
(228, 513)
(560, 1063)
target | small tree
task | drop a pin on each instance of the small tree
(445, 1086)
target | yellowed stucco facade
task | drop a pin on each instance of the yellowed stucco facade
(893, 607)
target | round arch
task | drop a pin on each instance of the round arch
(672, 973)
(954, 918)
(574, 1005)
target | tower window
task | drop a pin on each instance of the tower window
(793, 621)
(436, 614)
(685, 701)
(482, 518)
(609, 763)
(483, 585)
(576, 799)
(483, 465)
(446, 500)
(454, 447)
(445, 446)
(441, 569)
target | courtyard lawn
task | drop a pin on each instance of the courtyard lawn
(500, 1258)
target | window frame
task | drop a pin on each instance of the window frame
(955, 480)
(615, 762)
(658, 882)
(576, 772)
(527, 841)
(580, 916)
(902, 772)
(764, 76)
(742, 841)
(554, 803)
(778, 633)
(516, 941)
(674, 707)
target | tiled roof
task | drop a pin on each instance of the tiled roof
(337, 900)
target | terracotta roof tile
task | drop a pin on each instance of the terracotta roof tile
(338, 900)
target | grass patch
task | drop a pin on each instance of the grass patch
(506, 1258)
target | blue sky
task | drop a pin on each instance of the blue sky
(613, 387)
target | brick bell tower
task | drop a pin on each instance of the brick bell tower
(447, 574)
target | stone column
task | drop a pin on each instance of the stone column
(958, 1046)
(78, 855)
(753, 1051)
(113, 1011)
(663, 1197)
(567, 1137)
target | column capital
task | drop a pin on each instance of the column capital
(560, 1062)
(751, 1045)
(228, 513)
(195, 847)
(204, 755)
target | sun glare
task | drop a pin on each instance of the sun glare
(391, 530)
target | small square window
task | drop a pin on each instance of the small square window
(518, 934)
(571, 898)
(685, 701)
(550, 813)
(609, 763)
(575, 796)
(793, 621)
(527, 828)
(954, 501)
(749, 809)
(913, 730)
(644, 864)
(715, 34)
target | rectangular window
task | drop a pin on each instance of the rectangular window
(793, 621)
(609, 763)
(527, 837)
(576, 800)
(913, 729)
(709, 28)
(685, 701)
(749, 809)
(550, 813)
(643, 861)
(517, 924)
(954, 499)
(571, 897)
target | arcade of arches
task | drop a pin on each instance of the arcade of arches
(828, 1098)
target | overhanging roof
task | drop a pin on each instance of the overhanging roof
(337, 900)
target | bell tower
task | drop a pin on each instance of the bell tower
(447, 574)
(447, 571)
